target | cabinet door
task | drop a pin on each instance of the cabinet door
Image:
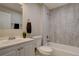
(20, 51)
(10, 53)
(29, 50)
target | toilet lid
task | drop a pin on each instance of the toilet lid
(45, 49)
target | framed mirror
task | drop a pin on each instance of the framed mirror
(10, 16)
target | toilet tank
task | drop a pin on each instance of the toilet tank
(38, 40)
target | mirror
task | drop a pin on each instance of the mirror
(10, 16)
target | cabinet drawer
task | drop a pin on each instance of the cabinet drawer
(6, 50)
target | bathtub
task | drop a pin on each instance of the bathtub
(63, 50)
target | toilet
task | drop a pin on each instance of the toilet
(42, 50)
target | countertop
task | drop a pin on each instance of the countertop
(7, 43)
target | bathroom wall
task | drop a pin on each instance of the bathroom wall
(64, 26)
(39, 17)
(15, 16)
(37, 14)
(32, 12)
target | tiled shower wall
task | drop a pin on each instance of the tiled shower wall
(64, 25)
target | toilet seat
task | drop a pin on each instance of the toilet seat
(45, 50)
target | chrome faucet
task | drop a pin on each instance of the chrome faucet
(11, 38)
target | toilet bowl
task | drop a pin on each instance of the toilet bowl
(45, 50)
(42, 50)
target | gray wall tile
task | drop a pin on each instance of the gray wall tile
(65, 25)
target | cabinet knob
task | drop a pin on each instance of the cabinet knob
(18, 49)
(21, 48)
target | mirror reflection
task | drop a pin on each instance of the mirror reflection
(10, 16)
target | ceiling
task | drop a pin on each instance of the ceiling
(17, 6)
(54, 5)
(13, 6)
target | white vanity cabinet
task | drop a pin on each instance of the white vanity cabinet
(26, 49)
(20, 50)
(23, 49)
(9, 51)
(29, 50)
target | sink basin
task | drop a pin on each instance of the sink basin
(8, 41)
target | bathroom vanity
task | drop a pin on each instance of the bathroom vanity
(17, 47)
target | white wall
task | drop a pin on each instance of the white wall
(32, 12)
(39, 16)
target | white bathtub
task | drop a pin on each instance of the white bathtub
(63, 50)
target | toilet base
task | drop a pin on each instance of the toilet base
(37, 53)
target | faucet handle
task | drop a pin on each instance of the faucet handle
(11, 38)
